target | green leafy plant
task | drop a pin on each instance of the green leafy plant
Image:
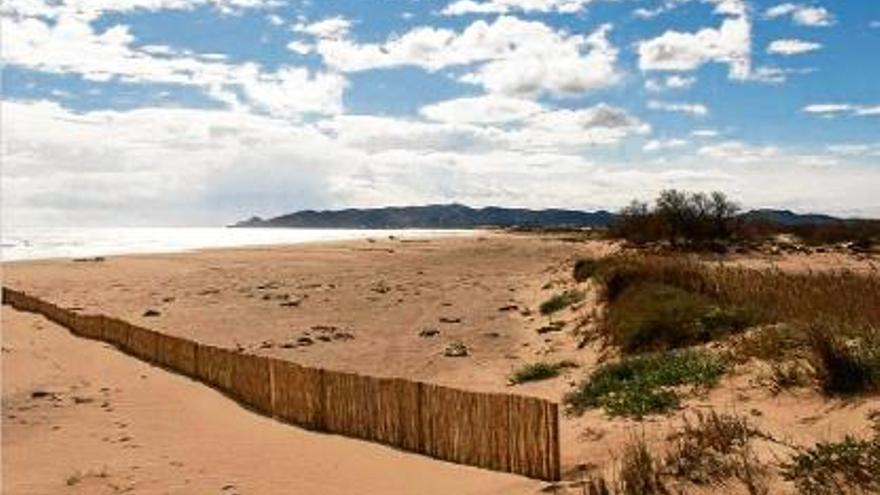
(561, 301)
(638, 386)
(653, 316)
(540, 371)
(830, 468)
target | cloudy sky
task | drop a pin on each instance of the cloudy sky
(202, 112)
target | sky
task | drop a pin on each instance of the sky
(204, 112)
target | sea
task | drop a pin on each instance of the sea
(32, 243)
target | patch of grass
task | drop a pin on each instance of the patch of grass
(540, 371)
(830, 468)
(652, 316)
(714, 448)
(584, 269)
(846, 366)
(561, 301)
(638, 386)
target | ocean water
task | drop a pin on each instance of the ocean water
(59, 242)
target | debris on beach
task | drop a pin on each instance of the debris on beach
(456, 349)
(151, 313)
(92, 259)
(555, 326)
(429, 332)
(446, 319)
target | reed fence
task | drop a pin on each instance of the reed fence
(502, 432)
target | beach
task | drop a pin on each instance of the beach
(379, 306)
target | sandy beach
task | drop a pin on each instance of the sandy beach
(385, 307)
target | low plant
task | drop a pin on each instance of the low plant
(846, 365)
(637, 386)
(639, 472)
(850, 465)
(561, 301)
(713, 448)
(652, 316)
(771, 343)
(540, 371)
(584, 269)
(786, 375)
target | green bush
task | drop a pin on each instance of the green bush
(561, 301)
(639, 385)
(652, 316)
(540, 371)
(829, 468)
(584, 269)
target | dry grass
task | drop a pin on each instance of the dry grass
(710, 450)
(831, 318)
(842, 297)
(713, 448)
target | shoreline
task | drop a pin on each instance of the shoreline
(348, 235)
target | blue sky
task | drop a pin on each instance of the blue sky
(177, 112)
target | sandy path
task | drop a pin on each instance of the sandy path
(112, 424)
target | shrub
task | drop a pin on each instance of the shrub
(561, 301)
(830, 468)
(540, 371)
(584, 269)
(715, 448)
(789, 374)
(680, 218)
(640, 385)
(656, 316)
(639, 472)
(846, 367)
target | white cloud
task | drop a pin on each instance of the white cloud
(694, 109)
(855, 149)
(164, 166)
(461, 7)
(868, 111)
(705, 133)
(828, 108)
(481, 110)
(669, 83)
(686, 51)
(330, 28)
(801, 14)
(834, 109)
(738, 152)
(664, 144)
(300, 47)
(71, 45)
(792, 47)
(512, 56)
(92, 9)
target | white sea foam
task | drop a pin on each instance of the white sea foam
(41, 243)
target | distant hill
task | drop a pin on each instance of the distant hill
(788, 217)
(452, 216)
(456, 216)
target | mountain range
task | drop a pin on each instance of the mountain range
(457, 216)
